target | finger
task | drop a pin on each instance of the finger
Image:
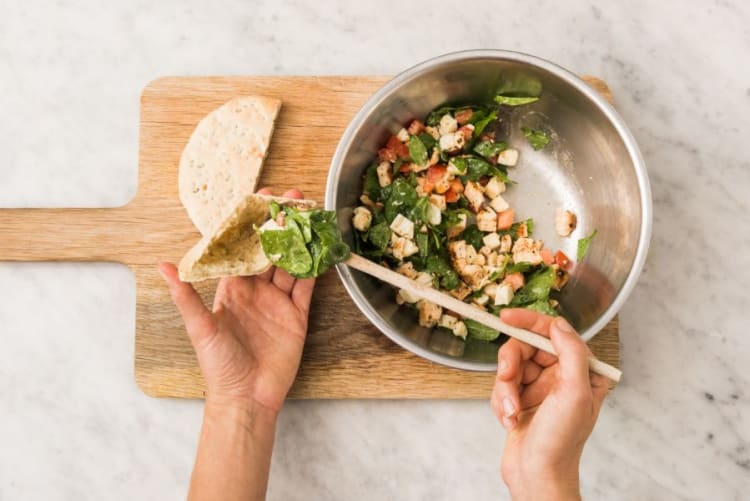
(283, 280)
(535, 393)
(510, 357)
(531, 371)
(264, 191)
(294, 193)
(302, 293)
(198, 320)
(600, 389)
(506, 391)
(527, 319)
(572, 353)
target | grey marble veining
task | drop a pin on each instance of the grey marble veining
(73, 425)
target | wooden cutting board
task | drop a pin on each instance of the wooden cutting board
(345, 356)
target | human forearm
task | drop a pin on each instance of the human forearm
(234, 452)
(551, 487)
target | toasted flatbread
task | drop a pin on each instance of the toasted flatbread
(234, 248)
(221, 162)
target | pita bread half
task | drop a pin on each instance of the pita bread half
(234, 249)
(221, 162)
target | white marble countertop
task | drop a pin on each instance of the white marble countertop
(73, 425)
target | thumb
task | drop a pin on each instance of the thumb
(199, 322)
(572, 353)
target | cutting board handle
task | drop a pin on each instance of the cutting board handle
(67, 234)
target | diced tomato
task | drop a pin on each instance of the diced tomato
(466, 131)
(415, 127)
(405, 168)
(436, 172)
(397, 147)
(562, 260)
(386, 155)
(463, 116)
(451, 196)
(505, 219)
(426, 185)
(547, 256)
(456, 185)
(515, 280)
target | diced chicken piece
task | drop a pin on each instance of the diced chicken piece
(487, 220)
(523, 230)
(481, 299)
(508, 157)
(361, 219)
(407, 270)
(480, 259)
(448, 124)
(494, 260)
(499, 204)
(460, 330)
(506, 243)
(526, 250)
(485, 251)
(402, 247)
(457, 228)
(429, 313)
(458, 250)
(420, 188)
(433, 214)
(492, 240)
(490, 290)
(416, 127)
(403, 226)
(442, 183)
(473, 194)
(385, 174)
(447, 321)
(433, 131)
(460, 292)
(494, 187)
(399, 298)
(438, 201)
(472, 274)
(452, 142)
(503, 294)
(565, 222)
(402, 135)
(423, 229)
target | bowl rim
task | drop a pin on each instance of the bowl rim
(345, 273)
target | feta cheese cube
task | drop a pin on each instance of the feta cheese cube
(403, 226)
(499, 204)
(403, 135)
(482, 299)
(362, 218)
(447, 321)
(503, 294)
(508, 157)
(451, 143)
(433, 214)
(448, 124)
(492, 240)
(494, 188)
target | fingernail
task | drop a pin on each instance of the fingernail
(508, 408)
(502, 366)
(564, 326)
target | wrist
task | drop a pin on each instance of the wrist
(241, 413)
(548, 485)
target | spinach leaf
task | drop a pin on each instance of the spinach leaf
(428, 141)
(379, 235)
(481, 124)
(489, 149)
(273, 209)
(537, 288)
(417, 151)
(473, 236)
(439, 267)
(538, 139)
(542, 306)
(302, 218)
(478, 167)
(583, 246)
(423, 243)
(480, 331)
(371, 186)
(401, 198)
(286, 249)
(515, 100)
(418, 213)
(513, 231)
(522, 267)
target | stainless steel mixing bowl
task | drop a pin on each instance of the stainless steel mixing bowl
(592, 167)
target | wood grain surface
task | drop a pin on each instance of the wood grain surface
(345, 356)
